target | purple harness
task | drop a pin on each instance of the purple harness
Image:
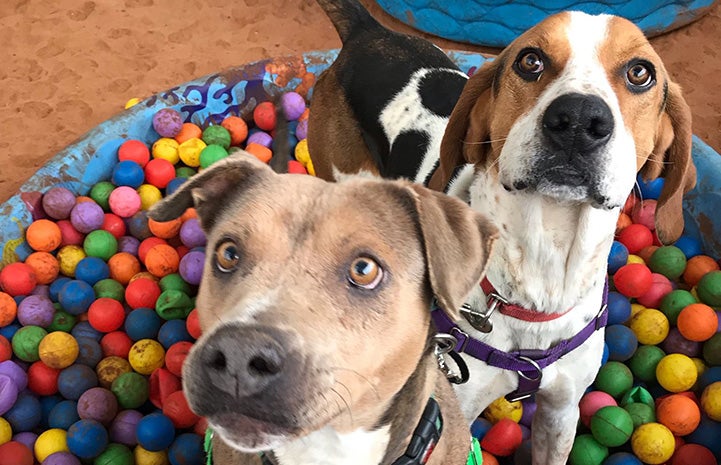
(529, 364)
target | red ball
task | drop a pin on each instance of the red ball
(17, 279)
(175, 407)
(148, 244)
(15, 453)
(117, 344)
(159, 172)
(503, 438)
(162, 384)
(635, 237)
(134, 150)
(693, 454)
(201, 426)
(633, 280)
(631, 202)
(142, 292)
(295, 167)
(192, 324)
(660, 286)
(114, 225)
(6, 350)
(106, 314)
(175, 356)
(70, 235)
(264, 116)
(42, 379)
(182, 251)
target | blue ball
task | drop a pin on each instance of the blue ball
(63, 415)
(619, 308)
(173, 331)
(173, 185)
(90, 352)
(128, 173)
(84, 329)
(74, 380)
(617, 257)
(87, 439)
(26, 414)
(9, 331)
(91, 270)
(711, 375)
(142, 323)
(689, 246)
(707, 434)
(606, 353)
(622, 342)
(47, 403)
(650, 189)
(187, 449)
(76, 297)
(155, 432)
(138, 225)
(23, 251)
(480, 427)
(622, 458)
(56, 286)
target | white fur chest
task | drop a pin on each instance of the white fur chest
(328, 447)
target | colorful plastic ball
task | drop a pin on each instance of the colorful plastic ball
(138, 225)
(674, 302)
(76, 379)
(167, 149)
(26, 341)
(217, 135)
(162, 260)
(650, 189)
(134, 150)
(155, 432)
(83, 329)
(116, 343)
(176, 355)
(262, 153)
(191, 267)
(678, 413)
(111, 368)
(68, 258)
(122, 430)
(644, 213)
(58, 350)
(17, 279)
(676, 372)
(26, 414)
(697, 267)
(174, 185)
(8, 393)
(57, 203)
(709, 289)
(98, 404)
(15, 372)
(131, 390)
(6, 431)
(36, 310)
(8, 309)
(644, 361)
(653, 443)
(264, 116)
(175, 407)
(591, 402)
(123, 266)
(237, 128)
(633, 280)
(49, 442)
(172, 305)
(640, 413)
(188, 131)
(128, 244)
(697, 322)
(711, 401)
(650, 326)
(622, 342)
(149, 195)
(101, 244)
(503, 438)
(6, 349)
(125, 201)
(106, 314)
(635, 237)
(174, 282)
(146, 457)
(187, 449)
(61, 458)
(676, 343)
(127, 173)
(146, 355)
(87, 216)
(43, 235)
(669, 261)
(619, 308)
(142, 293)
(46, 405)
(162, 384)
(15, 453)
(611, 426)
(614, 378)
(91, 270)
(167, 122)
(63, 414)
(116, 454)
(172, 332)
(480, 427)
(712, 350)
(693, 454)
(211, 154)
(159, 172)
(76, 297)
(293, 105)
(165, 229)
(189, 151)
(192, 324)
(142, 323)
(660, 287)
(87, 439)
(114, 225)
(587, 451)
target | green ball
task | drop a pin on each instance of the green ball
(587, 451)
(643, 362)
(100, 192)
(614, 378)
(184, 172)
(640, 413)
(675, 301)
(26, 341)
(637, 394)
(62, 321)
(218, 135)
(131, 389)
(101, 244)
(109, 288)
(611, 426)
(712, 350)
(211, 154)
(709, 289)
(669, 261)
(174, 282)
(115, 454)
(173, 305)
(234, 149)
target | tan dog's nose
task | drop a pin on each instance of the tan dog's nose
(577, 124)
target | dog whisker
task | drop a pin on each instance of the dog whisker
(502, 139)
(347, 406)
(375, 391)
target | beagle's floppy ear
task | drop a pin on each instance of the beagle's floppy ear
(468, 126)
(457, 243)
(209, 190)
(671, 158)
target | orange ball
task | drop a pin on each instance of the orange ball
(237, 128)
(45, 266)
(261, 152)
(83, 198)
(697, 267)
(44, 236)
(188, 131)
(8, 309)
(646, 252)
(188, 214)
(679, 414)
(148, 244)
(165, 229)
(304, 115)
(123, 266)
(162, 260)
(697, 322)
(623, 221)
(488, 458)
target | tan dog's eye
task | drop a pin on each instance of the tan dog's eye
(227, 256)
(529, 64)
(365, 272)
(640, 76)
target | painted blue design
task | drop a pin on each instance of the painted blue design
(496, 23)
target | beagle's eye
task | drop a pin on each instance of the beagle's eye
(640, 75)
(227, 256)
(529, 64)
(365, 272)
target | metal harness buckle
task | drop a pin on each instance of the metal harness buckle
(536, 380)
(444, 344)
(482, 320)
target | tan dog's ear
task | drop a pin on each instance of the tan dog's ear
(457, 242)
(468, 126)
(671, 158)
(209, 190)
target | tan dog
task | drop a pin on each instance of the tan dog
(317, 343)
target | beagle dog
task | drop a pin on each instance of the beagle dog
(546, 140)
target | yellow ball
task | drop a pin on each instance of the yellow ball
(110, 368)
(501, 408)
(6, 431)
(51, 441)
(132, 102)
(653, 443)
(676, 373)
(650, 326)
(167, 149)
(700, 365)
(711, 401)
(635, 308)
(145, 457)
(146, 355)
(301, 152)
(68, 258)
(310, 168)
(189, 151)
(634, 259)
(58, 350)
(694, 293)
(149, 195)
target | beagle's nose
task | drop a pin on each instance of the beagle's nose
(578, 123)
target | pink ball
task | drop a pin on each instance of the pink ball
(124, 201)
(645, 213)
(660, 286)
(591, 402)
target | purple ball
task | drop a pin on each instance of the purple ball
(260, 137)
(98, 404)
(301, 131)
(16, 373)
(123, 428)
(293, 105)
(191, 267)
(61, 458)
(167, 122)
(41, 289)
(26, 438)
(8, 393)
(36, 310)
(191, 234)
(58, 202)
(87, 217)
(128, 244)
(676, 343)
